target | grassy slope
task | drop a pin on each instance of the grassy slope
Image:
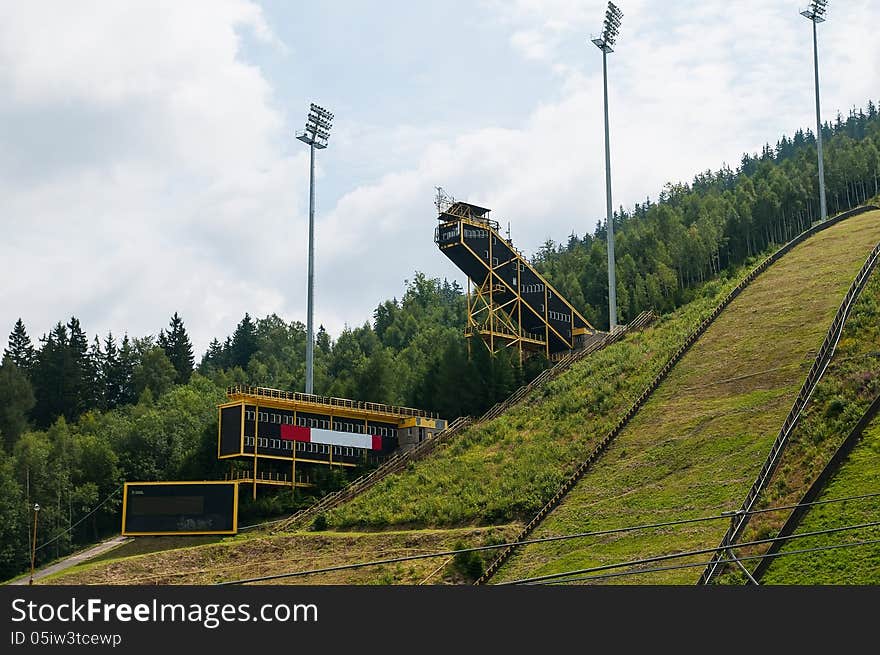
(508, 468)
(696, 446)
(848, 387)
(861, 565)
(252, 556)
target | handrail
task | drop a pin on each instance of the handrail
(344, 403)
(600, 448)
(831, 467)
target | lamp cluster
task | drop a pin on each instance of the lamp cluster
(318, 124)
(612, 23)
(610, 29)
(816, 11)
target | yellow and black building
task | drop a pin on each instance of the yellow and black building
(285, 435)
(510, 304)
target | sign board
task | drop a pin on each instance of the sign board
(181, 508)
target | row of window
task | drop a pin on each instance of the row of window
(559, 316)
(533, 288)
(324, 424)
(475, 233)
(303, 447)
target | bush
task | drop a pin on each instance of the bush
(320, 523)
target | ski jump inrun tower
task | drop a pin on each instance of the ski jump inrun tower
(510, 304)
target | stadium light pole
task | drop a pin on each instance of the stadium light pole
(34, 543)
(316, 135)
(816, 14)
(605, 43)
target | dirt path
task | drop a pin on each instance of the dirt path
(73, 560)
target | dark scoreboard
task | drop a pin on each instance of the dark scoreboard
(183, 508)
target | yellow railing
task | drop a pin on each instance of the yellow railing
(344, 403)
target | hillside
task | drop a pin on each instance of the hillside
(688, 452)
(848, 389)
(861, 565)
(695, 447)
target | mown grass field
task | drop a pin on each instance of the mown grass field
(849, 386)
(696, 446)
(248, 556)
(860, 565)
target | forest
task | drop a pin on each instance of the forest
(79, 416)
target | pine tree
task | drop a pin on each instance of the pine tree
(178, 349)
(128, 360)
(244, 342)
(213, 357)
(16, 400)
(51, 370)
(322, 340)
(20, 350)
(81, 382)
(96, 398)
(111, 373)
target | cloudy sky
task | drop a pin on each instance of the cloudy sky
(148, 163)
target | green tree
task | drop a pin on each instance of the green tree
(16, 400)
(244, 343)
(178, 349)
(20, 349)
(154, 372)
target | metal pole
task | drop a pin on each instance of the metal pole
(34, 544)
(822, 205)
(310, 334)
(612, 277)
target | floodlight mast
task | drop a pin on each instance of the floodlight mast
(316, 136)
(605, 43)
(815, 13)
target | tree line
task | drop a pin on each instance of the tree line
(698, 230)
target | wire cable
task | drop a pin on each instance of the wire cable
(69, 529)
(673, 567)
(396, 560)
(689, 553)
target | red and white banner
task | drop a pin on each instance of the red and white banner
(331, 437)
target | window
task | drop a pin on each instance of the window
(325, 424)
(249, 415)
(264, 417)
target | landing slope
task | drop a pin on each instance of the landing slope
(861, 565)
(695, 447)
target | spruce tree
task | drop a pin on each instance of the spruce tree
(80, 382)
(111, 378)
(128, 360)
(178, 349)
(244, 342)
(51, 370)
(21, 350)
(16, 400)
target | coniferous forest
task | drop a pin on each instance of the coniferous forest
(80, 415)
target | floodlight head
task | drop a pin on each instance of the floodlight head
(318, 124)
(610, 29)
(816, 11)
(36, 507)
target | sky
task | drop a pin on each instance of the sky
(148, 160)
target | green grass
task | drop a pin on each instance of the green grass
(247, 556)
(696, 446)
(860, 565)
(849, 386)
(508, 468)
